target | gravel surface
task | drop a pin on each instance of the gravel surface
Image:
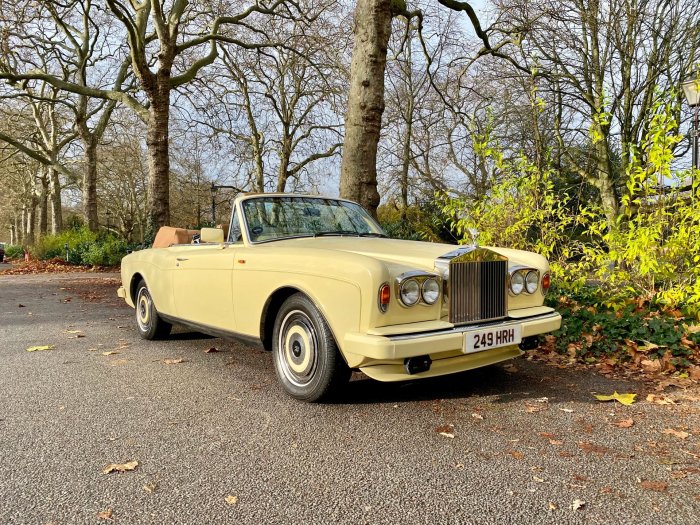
(529, 439)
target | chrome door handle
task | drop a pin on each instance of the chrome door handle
(182, 259)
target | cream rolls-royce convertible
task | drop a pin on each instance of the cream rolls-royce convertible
(316, 281)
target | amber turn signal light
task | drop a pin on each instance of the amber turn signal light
(546, 281)
(384, 296)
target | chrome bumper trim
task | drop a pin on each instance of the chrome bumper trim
(469, 328)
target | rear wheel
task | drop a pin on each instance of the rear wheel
(307, 360)
(150, 325)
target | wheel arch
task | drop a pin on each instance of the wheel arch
(269, 312)
(133, 285)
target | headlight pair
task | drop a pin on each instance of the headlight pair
(413, 288)
(524, 280)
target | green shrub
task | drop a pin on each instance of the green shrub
(14, 251)
(84, 247)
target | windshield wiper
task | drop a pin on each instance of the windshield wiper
(336, 232)
(349, 232)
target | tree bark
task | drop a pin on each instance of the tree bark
(44, 204)
(90, 183)
(56, 205)
(158, 157)
(363, 120)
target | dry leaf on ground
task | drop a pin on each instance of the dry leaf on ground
(105, 515)
(174, 361)
(120, 467)
(516, 454)
(551, 506)
(623, 423)
(678, 433)
(211, 350)
(658, 486)
(231, 500)
(660, 400)
(578, 504)
(625, 399)
(111, 352)
(477, 416)
(40, 348)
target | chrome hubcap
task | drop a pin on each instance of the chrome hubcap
(143, 309)
(297, 348)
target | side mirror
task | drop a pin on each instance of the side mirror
(212, 235)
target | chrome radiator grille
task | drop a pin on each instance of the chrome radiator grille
(477, 291)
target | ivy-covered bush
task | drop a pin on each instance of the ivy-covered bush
(13, 251)
(84, 247)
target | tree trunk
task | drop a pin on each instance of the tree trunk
(283, 173)
(44, 205)
(158, 158)
(30, 236)
(406, 161)
(363, 120)
(90, 184)
(56, 207)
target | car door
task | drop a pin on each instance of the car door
(202, 284)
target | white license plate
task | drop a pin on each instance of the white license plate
(480, 340)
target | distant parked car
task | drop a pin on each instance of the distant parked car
(2, 252)
(316, 281)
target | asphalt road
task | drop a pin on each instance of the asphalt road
(529, 439)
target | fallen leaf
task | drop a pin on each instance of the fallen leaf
(555, 442)
(105, 515)
(449, 427)
(119, 362)
(538, 480)
(660, 400)
(551, 506)
(449, 435)
(658, 486)
(477, 416)
(623, 423)
(111, 352)
(210, 350)
(578, 504)
(231, 500)
(591, 448)
(625, 399)
(529, 408)
(174, 361)
(120, 467)
(40, 348)
(547, 435)
(150, 487)
(72, 331)
(567, 410)
(516, 454)
(678, 433)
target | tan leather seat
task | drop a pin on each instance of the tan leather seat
(167, 236)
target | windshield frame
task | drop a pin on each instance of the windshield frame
(267, 196)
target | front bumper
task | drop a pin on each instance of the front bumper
(382, 357)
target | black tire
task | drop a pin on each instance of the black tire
(306, 357)
(149, 324)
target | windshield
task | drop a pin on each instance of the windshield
(272, 218)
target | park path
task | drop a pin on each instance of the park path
(217, 441)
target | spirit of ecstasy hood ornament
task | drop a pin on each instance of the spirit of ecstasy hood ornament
(474, 235)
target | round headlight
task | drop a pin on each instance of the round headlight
(430, 291)
(531, 280)
(517, 283)
(410, 292)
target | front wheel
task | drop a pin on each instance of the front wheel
(307, 360)
(150, 325)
